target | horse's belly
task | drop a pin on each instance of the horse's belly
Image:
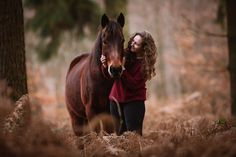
(73, 90)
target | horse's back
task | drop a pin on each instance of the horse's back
(76, 60)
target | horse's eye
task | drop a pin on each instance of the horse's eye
(122, 40)
(104, 42)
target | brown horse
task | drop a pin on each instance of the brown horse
(87, 87)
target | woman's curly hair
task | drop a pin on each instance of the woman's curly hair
(149, 54)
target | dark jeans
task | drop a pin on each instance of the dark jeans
(132, 115)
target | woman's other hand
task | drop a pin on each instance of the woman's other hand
(103, 61)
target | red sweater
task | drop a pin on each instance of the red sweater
(131, 86)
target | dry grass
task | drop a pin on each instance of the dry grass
(21, 135)
(187, 129)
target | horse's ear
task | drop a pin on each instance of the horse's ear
(104, 21)
(121, 20)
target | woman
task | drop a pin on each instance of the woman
(128, 93)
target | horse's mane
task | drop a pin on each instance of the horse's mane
(97, 49)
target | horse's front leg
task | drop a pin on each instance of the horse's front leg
(89, 112)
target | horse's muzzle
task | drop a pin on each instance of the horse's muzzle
(115, 72)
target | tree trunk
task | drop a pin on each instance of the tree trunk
(231, 24)
(12, 47)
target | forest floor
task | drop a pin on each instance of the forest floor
(186, 128)
(189, 127)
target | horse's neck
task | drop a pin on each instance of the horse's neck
(95, 59)
(95, 55)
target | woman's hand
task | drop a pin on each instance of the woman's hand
(103, 61)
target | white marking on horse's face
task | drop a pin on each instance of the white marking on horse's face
(119, 63)
(109, 70)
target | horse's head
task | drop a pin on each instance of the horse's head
(113, 44)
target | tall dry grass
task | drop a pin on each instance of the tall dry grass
(22, 135)
(189, 128)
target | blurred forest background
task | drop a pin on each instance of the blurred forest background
(188, 103)
(192, 54)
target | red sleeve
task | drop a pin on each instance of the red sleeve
(135, 81)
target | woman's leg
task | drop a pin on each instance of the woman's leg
(119, 120)
(134, 115)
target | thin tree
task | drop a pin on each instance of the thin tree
(12, 47)
(231, 24)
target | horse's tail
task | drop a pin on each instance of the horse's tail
(76, 60)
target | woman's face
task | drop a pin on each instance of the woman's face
(136, 44)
